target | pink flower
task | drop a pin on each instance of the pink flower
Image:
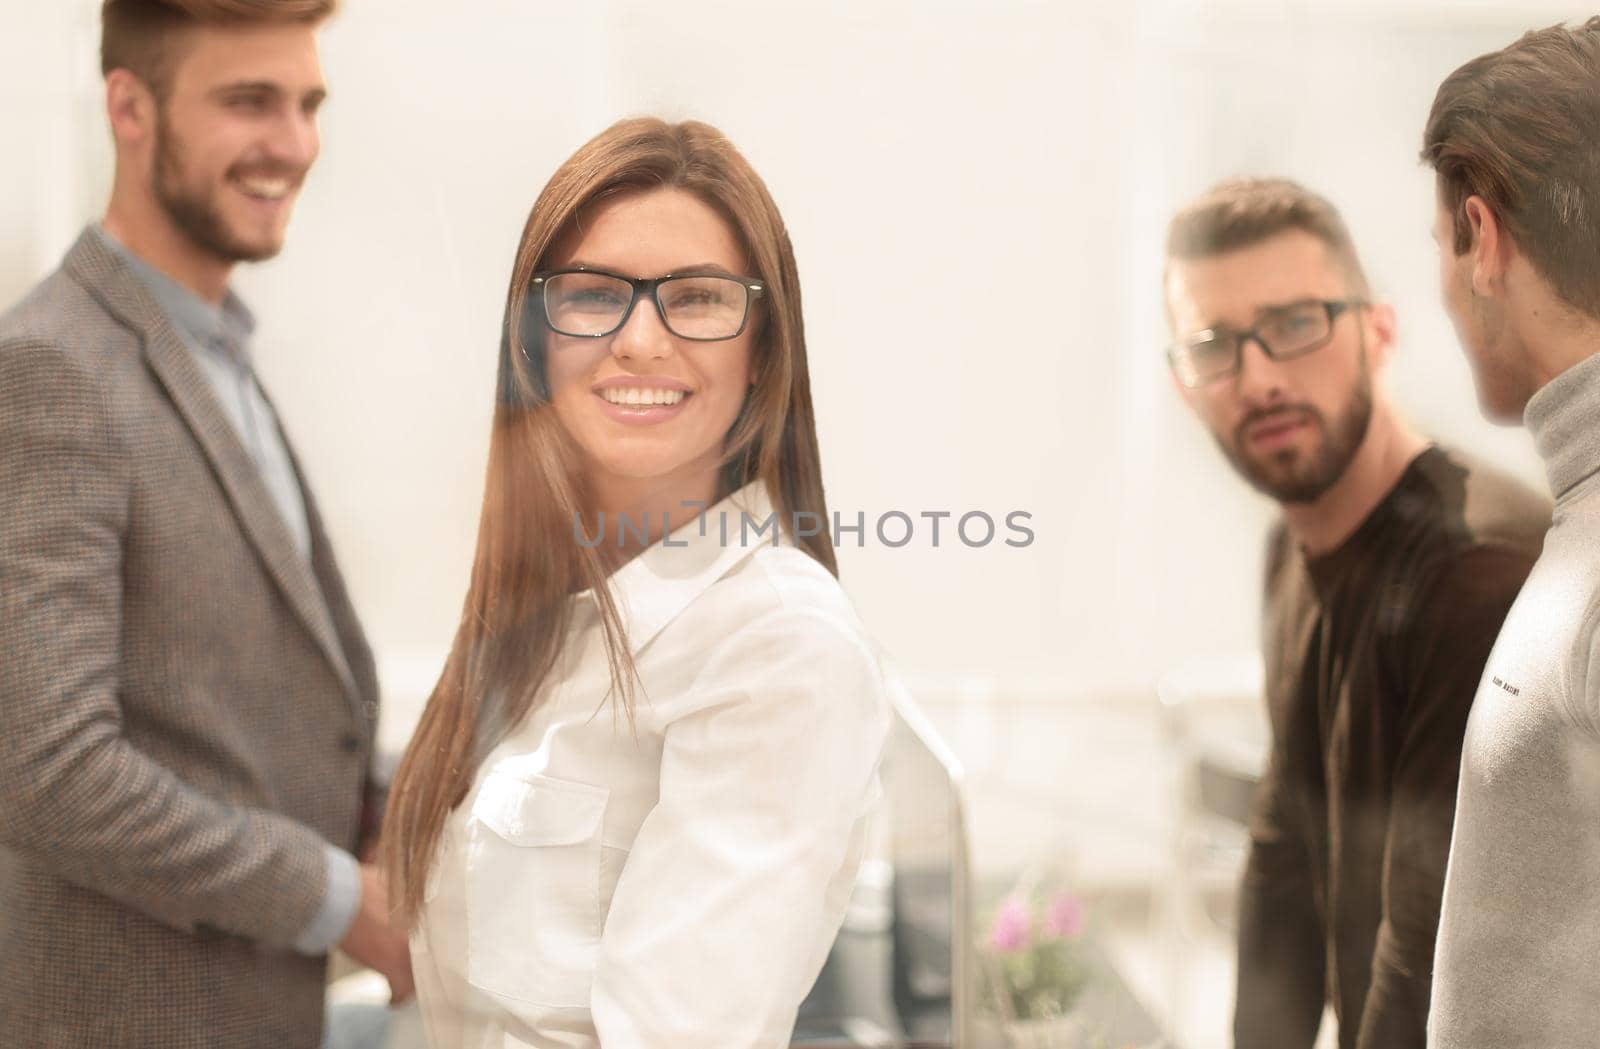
(1010, 931)
(1065, 916)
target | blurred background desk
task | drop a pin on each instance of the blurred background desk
(1110, 1015)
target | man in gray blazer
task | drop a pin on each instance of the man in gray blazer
(187, 702)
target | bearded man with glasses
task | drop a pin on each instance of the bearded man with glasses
(1388, 576)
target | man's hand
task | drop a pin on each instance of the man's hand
(374, 941)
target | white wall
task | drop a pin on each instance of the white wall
(48, 106)
(977, 194)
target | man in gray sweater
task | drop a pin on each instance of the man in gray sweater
(1514, 137)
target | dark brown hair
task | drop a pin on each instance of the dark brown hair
(1241, 212)
(141, 35)
(1520, 127)
(528, 560)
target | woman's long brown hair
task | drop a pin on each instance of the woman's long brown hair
(529, 561)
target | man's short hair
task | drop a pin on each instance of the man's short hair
(1520, 127)
(139, 35)
(1242, 212)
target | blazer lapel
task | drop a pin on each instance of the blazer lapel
(330, 582)
(105, 277)
(345, 630)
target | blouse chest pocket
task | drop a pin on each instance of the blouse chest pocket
(533, 888)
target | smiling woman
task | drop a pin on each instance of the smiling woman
(675, 876)
(649, 390)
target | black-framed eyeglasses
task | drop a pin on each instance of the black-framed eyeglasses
(591, 304)
(1283, 333)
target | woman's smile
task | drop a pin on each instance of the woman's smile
(642, 401)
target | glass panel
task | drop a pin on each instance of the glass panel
(900, 969)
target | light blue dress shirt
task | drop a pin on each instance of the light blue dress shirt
(219, 337)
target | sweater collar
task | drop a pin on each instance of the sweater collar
(1564, 419)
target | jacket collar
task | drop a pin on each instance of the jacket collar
(228, 325)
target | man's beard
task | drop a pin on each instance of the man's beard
(194, 211)
(1291, 478)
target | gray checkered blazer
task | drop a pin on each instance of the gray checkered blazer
(186, 708)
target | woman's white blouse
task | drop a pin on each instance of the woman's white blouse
(679, 883)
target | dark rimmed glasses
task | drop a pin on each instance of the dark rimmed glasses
(591, 304)
(1283, 333)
